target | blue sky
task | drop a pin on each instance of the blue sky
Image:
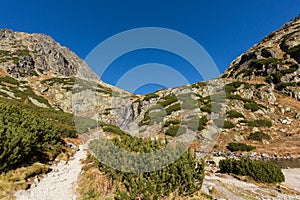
(224, 28)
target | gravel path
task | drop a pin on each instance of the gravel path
(59, 183)
(292, 178)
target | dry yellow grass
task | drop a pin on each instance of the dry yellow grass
(19, 179)
(94, 184)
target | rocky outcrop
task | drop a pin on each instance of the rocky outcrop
(33, 53)
(274, 60)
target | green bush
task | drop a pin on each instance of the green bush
(262, 171)
(239, 147)
(251, 106)
(260, 123)
(235, 114)
(276, 77)
(259, 136)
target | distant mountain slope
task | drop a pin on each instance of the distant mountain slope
(275, 59)
(37, 69)
(262, 88)
(253, 109)
(261, 93)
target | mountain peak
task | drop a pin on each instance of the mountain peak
(29, 54)
(275, 60)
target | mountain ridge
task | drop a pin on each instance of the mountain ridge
(248, 112)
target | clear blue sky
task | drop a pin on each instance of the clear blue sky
(224, 28)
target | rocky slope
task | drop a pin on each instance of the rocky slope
(259, 92)
(37, 65)
(259, 103)
(256, 101)
(274, 60)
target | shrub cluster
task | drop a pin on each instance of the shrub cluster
(251, 106)
(29, 133)
(259, 136)
(260, 123)
(239, 147)
(184, 176)
(235, 114)
(262, 171)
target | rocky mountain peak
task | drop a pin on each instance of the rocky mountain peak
(31, 54)
(275, 60)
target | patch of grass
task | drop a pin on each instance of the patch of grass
(232, 146)
(237, 84)
(2, 60)
(282, 86)
(202, 122)
(257, 86)
(259, 136)
(234, 97)
(40, 71)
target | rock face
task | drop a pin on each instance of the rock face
(37, 53)
(45, 68)
(275, 60)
